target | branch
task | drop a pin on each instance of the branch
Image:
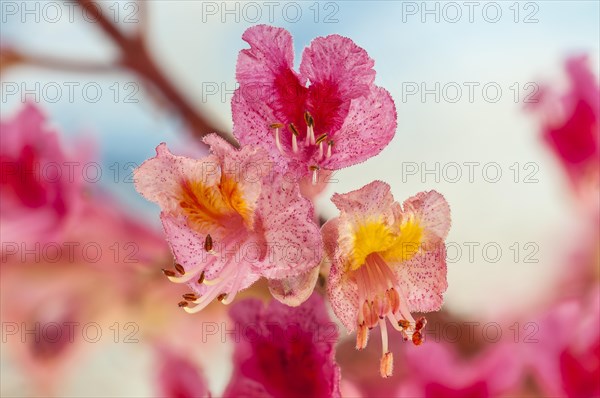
(136, 58)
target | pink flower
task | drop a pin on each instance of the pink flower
(179, 377)
(565, 360)
(494, 372)
(387, 261)
(284, 351)
(229, 221)
(571, 125)
(342, 118)
(39, 194)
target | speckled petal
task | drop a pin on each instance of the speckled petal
(369, 126)
(293, 238)
(423, 279)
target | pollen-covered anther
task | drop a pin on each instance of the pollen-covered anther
(179, 268)
(393, 299)
(404, 324)
(222, 297)
(329, 146)
(190, 297)
(371, 316)
(295, 134)
(362, 336)
(420, 324)
(182, 304)
(418, 338)
(168, 272)
(201, 278)
(208, 244)
(387, 365)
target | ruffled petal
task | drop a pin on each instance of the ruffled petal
(158, 179)
(343, 294)
(339, 71)
(291, 235)
(374, 200)
(423, 279)
(433, 214)
(265, 73)
(251, 126)
(369, 127)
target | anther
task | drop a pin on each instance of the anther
(362, 336)
(420, 324)
(190, 297)
(309, 119)
(387, 365)
(179, 268)
(182, 304)
(208, 243)
(276, 125)
(404, 324)
(417, 338)
(201, 278)
(221, 296)
(168, 272)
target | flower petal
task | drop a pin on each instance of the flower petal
(291, 234)
(433, 212)
(369, 126)
(423, 279)
(251, 126)
(373, 200)
(265, 73)
(339, 71)
(294, 290)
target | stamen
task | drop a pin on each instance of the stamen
(320, 150)
(387, 359)
(208, 244)
(179, 268)
(294, 144)
(417, 338)
(362, 336)
(329, 145)
(394, 300)
(201, 279)
(168, 272)
(221, 296)
(190, 297)
(277, 141)
(182, 304)
(310, 132)
(315, 172)
(387, 365)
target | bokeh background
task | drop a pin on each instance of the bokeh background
(528, 228)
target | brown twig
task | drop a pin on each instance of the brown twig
(135, 57)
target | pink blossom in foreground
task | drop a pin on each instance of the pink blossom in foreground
(437, 371)
(342, 118)
(565, 359)
(284, 351)
(229, 221)
(179, 377)
(571, 125)
(387, 261)
(39, 190)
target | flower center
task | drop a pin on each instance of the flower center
(214, 207)
(393, 244)
(311, 144)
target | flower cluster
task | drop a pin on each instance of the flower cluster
(238, 215)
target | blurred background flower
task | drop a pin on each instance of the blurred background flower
(498, 109)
